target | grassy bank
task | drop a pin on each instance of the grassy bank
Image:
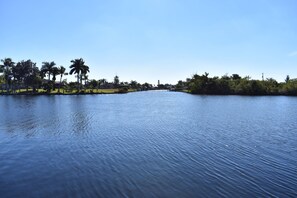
(66, 92)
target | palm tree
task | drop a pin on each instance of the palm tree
(62, 72)
(47, 67)
(55, 72)
(79, 68)
(84, 76)
(102, 81)
(7, 67)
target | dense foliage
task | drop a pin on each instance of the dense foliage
(236, 85)
(25, 75)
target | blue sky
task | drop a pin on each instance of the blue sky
(150, 40)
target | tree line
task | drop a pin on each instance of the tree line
(26, 75)
(237, 85)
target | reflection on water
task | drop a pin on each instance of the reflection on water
(162, 144)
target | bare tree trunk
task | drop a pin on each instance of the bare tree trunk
(78, 85)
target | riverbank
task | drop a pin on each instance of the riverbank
(234, 94)
(69, 92)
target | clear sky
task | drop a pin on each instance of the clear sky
(150, 40)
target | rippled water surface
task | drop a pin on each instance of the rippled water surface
(148, 144)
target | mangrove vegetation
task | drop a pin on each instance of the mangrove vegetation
(236, 85)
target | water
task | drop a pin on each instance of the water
(148, 144)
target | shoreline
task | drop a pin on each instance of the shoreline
(217, 94)
(82, 92)
(30, 93)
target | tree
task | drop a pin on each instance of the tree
(27, 73)
(47, 67)
(235, 77)
(79, 68)
(134, 84)
(116, 81)
(84, 76)
(61, 72)
(7, 66)
(271, 86)
(55, 72)
(93, 84)
(33, 78)
(17, 74)
(225, 77)
(102, 81)
(287, 79)
(22, 71)
(200, 84)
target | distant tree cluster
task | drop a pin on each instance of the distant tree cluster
(25, 74)
(237, 85)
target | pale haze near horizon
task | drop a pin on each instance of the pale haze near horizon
(151, 40)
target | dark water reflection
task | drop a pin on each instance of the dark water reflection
(148, 144)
